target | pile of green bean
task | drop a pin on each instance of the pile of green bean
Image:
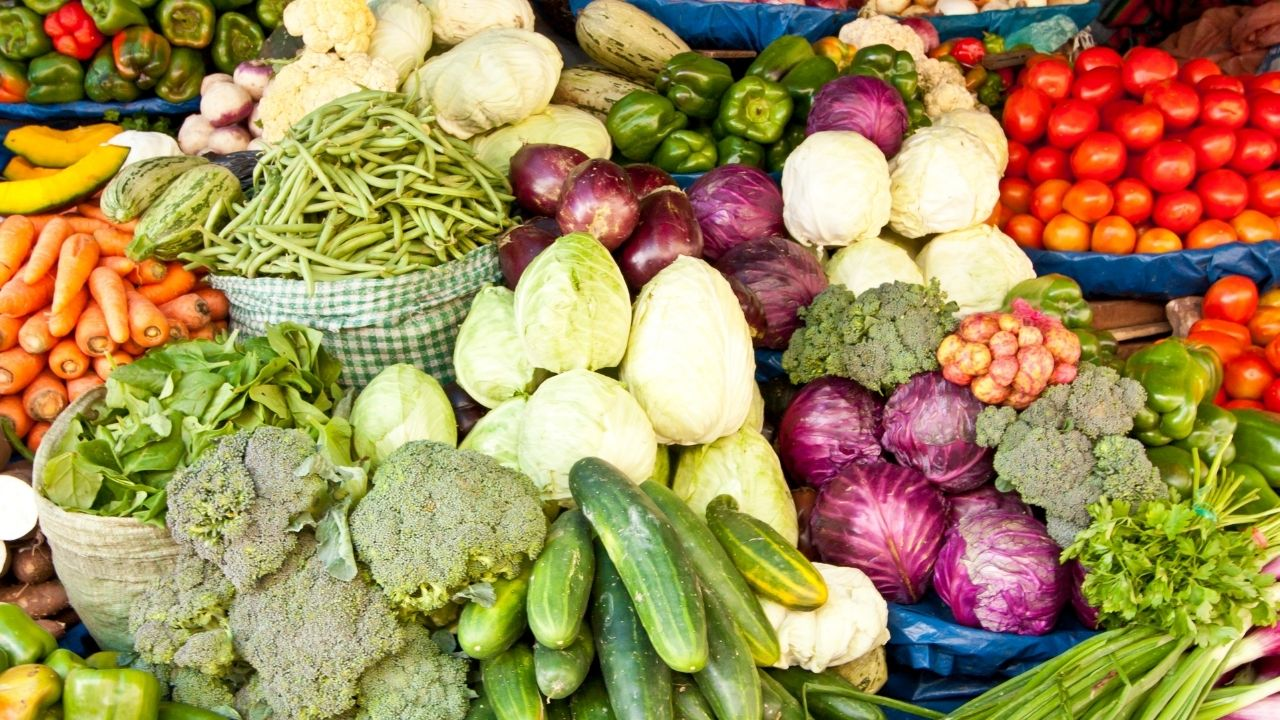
(364, 187)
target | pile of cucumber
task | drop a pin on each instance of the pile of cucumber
(639, 610)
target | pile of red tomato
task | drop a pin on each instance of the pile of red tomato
(1134, 154)
(1244, 329)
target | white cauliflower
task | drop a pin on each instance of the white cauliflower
(942, 88)
(344, 26)
(883, 30)
(854, 622)
(315, 79)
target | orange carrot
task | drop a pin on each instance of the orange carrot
(204, 333)
(108, 291)
(217, 302)
(9, 328)
(11, 409)
(62, 323)
(66, 361)
(45, 252)
(149, 272)
(16, 236)
(117, 264)
(34, 337)
(17, 369)
(78, 257)
(18, 298)
(112, 241)
(82, 385)
(189, 309)
(179, 281)
(105, 364)
(36, 435)
(177, 330)
(92, 336)
(221, 327)
(133, 348)
(45, 397)
(39, 221)
(91, 210)
(147, 325)
(85, 225)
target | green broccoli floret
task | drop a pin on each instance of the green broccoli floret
(879, 339)
(310, 636)
(1101, 402)
(251, 701)
(195, 688)
(235, 505)
(420, 682)
(1122, 470)
(992, 424)
(438, 520)
(183, 616)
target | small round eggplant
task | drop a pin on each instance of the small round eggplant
(598, 199)
(646, 178)
(519, 246)
(538, 173)
(667, 229)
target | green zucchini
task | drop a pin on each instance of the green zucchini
(136, 186)
(172, 224)
(822, 705)
(770, 564)
(777, 702)
(560, 586)
(560, 672)
(718, 575)
(484, 632)
(729, 682)
(591, 702)
(644, 548)
(690, 703)
(559, 710)
(639, 683)
(182, 711)
(511, 685)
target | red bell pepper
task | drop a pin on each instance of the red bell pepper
(73, 31)
(13, 81)
(968, 51)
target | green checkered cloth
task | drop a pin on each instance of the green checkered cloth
(371, 324)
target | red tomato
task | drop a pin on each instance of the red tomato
(1255, 151)
(1026, 114)
(1244, 405)
(1096, 57)
(1018, 154)
(1233, 298)
(1089, 200)
(1247, 377)
(1070, 122)
(1272, 354)
(1178, 102)
(1099, 86)
(1140, 127)
(1145, 66)
(1224, 109)
(1214, 147)
(1197, 69)
(1100, 156)
(1133, 200)
(1264, 326)
(1235, 330)
(1051, 76)
(1046, 201)
(1220, 82)
(1178, 211)
(1112, 111)
(1226, 347)
(1168, 166)
(1015, 194)
(1264, 192)
(1026, 231)
(1271, 397)
(1266, 82)
(1047, 163)
(1264, 112)
(1224, 192)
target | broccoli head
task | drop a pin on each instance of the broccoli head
(880, 338)
(420, 682)
(438, 520)
(1123, 472)
(196, 688)
(251, 701)
(181, 618)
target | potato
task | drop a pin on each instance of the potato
(38, 601)
(33, 563)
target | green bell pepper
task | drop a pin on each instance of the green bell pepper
(118, 694)
(993, 43)
(55, 78)
(44, 7)
(181, 82)
(1099, 347)
(1177, 469)
(1056, 295)
(187, 23)
(756, 109)
(105, 660)
(686, 151)
(1252, 479)
(142, 55)
(103, 83)
(1211, 434)
(236, 39)
(640, 121)
(917, 117)
(270, 13)
(180, 711)
(776, 155)
(734, 150)
(1257, 441)
(112, 16)
(883, 62)
(991, 91)
(805, 80)
(13, 81)
(1177, 378)
(21, 638)
(694, 83)
(22, 34)
(228, 5)
(63, 661)
(779, 57)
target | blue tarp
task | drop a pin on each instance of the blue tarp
(1163, 276)
(28, 113)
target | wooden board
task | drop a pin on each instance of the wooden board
(1114, 314)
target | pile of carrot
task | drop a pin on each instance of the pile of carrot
(73, 308)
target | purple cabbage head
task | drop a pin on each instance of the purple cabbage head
(868, 106)
(999, 571)
(929, 426)
(885, 520)
(784, 276)
(734, 204)
(984, 498)
(1085, 613)
(831, 423)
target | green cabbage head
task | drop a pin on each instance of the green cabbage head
(400, 404)
(488, 358)
(742, 465)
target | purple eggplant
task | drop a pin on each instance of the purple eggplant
(667, 230)
(598, 199)
(538, 173)
(466, 411)
(646, 178)
(519, 246)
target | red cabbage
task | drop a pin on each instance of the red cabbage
(929, 426)
(999, 571)
(734, 204)
(1085, 613)
(868, 106)
(785, 277)
(885, 520)
(831, 423)
(982, 499)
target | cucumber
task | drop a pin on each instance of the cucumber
(560, 586)
(729, 682)
(172, 224)
(639, 683)
(136, 186)
(484, 632)
(644, 548)
(511, 686)
(824, 706)
(626, 39)
(481, 709)
(593, 89)
(690, 704)
(777, 702)
(771, 566)
(559, 710)
(560, 672)
(718, 575)
(591, 702)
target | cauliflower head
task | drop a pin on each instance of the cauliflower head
(853, 622)
(942, 88)
(315, 79)
(344, 26)
(882, 29)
